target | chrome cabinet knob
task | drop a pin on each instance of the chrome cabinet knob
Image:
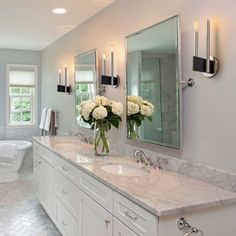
(107, 222)
(64, 168)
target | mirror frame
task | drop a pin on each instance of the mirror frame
(96, 84)
(150, 145)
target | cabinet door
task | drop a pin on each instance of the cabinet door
(119, 229)
(46, 190)
(38, 176)
(94, 220)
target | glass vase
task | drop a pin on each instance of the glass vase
(132, 130)
(101, 143)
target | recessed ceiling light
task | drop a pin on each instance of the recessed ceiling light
(59, 11)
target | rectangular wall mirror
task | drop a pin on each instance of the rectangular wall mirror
(86, 81)
(153, 71)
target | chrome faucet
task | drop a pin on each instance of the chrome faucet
(143, 158)
(83, 138)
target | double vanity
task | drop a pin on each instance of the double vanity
(86, 195)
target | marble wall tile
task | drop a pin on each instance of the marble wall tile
(198, 171)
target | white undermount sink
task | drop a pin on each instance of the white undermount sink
(125, 169)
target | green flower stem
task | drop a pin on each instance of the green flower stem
(131, 129)
(101, 138)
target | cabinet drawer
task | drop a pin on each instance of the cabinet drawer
(135, 217)
(119, 229)
(66, 169)
(37, 162)
(64, 220)
(66, 192)
(42, 152)
(96, 190)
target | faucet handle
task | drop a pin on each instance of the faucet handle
(161, 162)
(136, 156)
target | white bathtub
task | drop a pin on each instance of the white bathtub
(10, 172)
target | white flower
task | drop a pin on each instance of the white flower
(117, 108)
(102, 101)
(99, 113)
(146, 111)
(149, 105)
(86, 108)
(135, 99)
(133, 108)
(86, 113)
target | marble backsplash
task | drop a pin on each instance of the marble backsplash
(203, 173)
(217, 177)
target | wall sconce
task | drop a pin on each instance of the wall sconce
(209, 66)
(64, 88)
(113, 79)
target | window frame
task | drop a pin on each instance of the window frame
(34, 105)
(87, 67)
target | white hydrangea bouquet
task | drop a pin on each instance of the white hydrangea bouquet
(138, 109)
(101, 113)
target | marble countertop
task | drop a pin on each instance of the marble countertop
(161, 192)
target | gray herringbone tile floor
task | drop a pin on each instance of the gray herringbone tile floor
(20, 212)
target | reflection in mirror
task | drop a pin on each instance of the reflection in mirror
(153, 113)
(85, 81)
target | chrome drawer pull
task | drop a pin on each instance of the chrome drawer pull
(131, 217)
(64, 191)
(64, 223)
(64, 168)
(107, 222)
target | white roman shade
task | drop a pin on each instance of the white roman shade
(22, 77)
(84, 76)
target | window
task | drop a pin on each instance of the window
(85, 87)
(21, 92)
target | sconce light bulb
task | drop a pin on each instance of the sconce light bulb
(196, 26)
(112, 48)
(65, 65)
(104, 56)
(59, 71)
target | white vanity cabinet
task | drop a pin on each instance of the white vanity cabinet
(44, 178)
(119, 229)
(93, 218)
(81, 205)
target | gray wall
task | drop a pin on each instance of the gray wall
(209, 112)
(8, 56)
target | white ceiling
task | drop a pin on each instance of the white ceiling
(31, 25)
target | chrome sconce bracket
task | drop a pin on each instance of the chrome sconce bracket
(209, 66)
(200, 65)
(64, 89)
(187, 83)
(102, 89)
(114, 81)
